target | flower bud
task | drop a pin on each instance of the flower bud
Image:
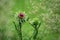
(21, 15)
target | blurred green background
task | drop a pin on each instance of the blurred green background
(48, 12)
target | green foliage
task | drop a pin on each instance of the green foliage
(48, 12)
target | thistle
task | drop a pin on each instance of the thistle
(21, 20)
(35, 24)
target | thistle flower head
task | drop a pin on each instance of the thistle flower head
(34, 21)
(21, 15)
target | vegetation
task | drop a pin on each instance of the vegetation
(46, 12)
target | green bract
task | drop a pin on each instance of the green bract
(34, 21)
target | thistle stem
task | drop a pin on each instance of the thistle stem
(35, 33)
(20, 31)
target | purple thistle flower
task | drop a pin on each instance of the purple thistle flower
(21, 15)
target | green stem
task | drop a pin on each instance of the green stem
(35, 33)
(15, 25)
(20, 31)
